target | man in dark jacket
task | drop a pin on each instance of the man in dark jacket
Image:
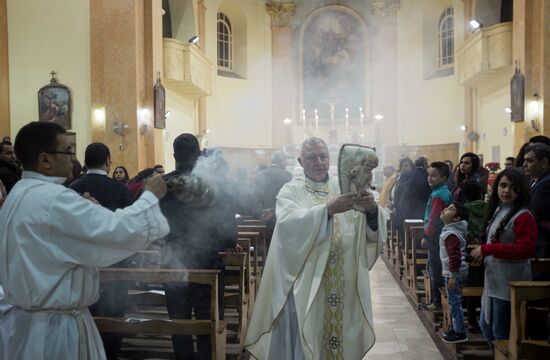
(267, 185)
(112, 195)
(411, 194)
(197, 233)
(537, 167)
(10, 173)
(108, 192)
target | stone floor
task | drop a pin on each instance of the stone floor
(399, 332)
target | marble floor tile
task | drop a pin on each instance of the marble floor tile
(400, 335)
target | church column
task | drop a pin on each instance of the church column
(4, 72)
(201, 102)
(283, 72)
(126, 59)
(384, 85)
(531, 49)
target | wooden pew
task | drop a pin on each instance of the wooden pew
(256, 239)
(387, 247)
(250, 278)
(518, 346)
(214, 327)
(235, 296)
(406, 251)
(418, 258)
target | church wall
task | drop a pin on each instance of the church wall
(181, 120)
(431, 110)
(45, 36)
(494, 125)
(239, 110)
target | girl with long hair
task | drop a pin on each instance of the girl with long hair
(469, 168)
(511, 232)
(121, 174)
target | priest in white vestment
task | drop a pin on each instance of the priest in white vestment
(52, 240)
(314, 299)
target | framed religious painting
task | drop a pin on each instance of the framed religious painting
(54, 103)
(517, 96)
(159, 95)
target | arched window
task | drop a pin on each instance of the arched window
(446, 38)
(225, 43)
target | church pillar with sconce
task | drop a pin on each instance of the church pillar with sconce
(4, 77)
(126, 60)
(283, 71)
(531, 50)
(384, 73)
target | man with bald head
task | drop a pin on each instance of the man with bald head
(314, 299)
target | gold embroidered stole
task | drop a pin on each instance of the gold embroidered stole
(333, 281)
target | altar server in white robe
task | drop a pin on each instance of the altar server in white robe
(314, 299)
(52, 242)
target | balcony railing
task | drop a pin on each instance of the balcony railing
(486, 55)
(187, 71)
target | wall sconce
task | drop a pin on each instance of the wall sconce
(472, 136)
(143, 120)
(508, 110)
(378, 117)
(463, 127)
(476, 24)
(99, 118)
(287, 121)
(194, 40)
(121, 129)
(534, 106)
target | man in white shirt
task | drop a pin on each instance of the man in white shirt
(52, 242)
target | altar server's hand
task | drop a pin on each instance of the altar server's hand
(89, 197)
(366, 201)
(341, 203)
(156, 185)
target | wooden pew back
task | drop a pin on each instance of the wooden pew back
(213, 326)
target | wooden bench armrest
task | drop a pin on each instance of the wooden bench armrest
(156, 326)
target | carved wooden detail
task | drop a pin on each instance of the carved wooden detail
(487, 54)
(187, 70)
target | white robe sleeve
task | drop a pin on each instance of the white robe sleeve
(100, 237)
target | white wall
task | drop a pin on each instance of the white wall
(430, 111)
(181, 120)
(492, 120)
(239, 110)
(46, 35)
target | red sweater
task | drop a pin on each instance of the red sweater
(452, 246)
(523, 247)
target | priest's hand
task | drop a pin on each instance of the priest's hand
(156, 185)
(366, 201)
(341, 203)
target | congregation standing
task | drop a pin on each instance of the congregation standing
(505, 232)
(96, 215)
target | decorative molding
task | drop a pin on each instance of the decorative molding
(485, 55)
(280, 13)
(187, 70)
(385, 11)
